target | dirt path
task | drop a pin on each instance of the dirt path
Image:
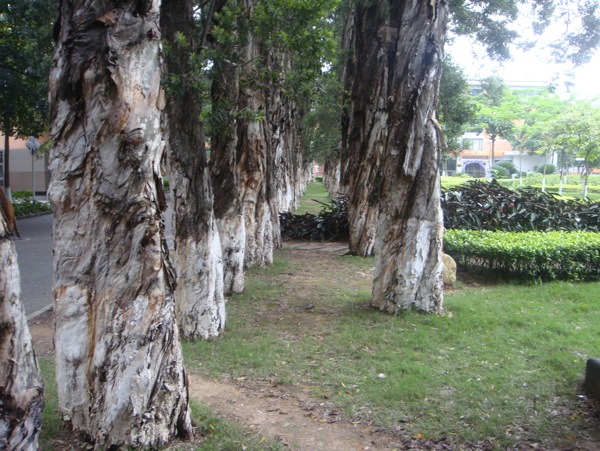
(295, 420)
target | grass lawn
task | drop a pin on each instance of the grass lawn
(311, 201)
(504, 365)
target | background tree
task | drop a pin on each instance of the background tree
(456, 109)
(533, 112)
(267, 54)
(392, 143)
(199, 299)
(119, 367)
(496, 114)
(25, 51)
(578, 129)
(21, 384)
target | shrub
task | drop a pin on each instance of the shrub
(330, 224)
(508, 165)
(319, 178)
(526, 256)
(500, 172)
(24, 204)
(549, 168)
(478, 205)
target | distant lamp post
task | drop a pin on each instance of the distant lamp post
(33, 147)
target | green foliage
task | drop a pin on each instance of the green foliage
(509, 166)
(456, 108)
(545, 168)
(495, 114)
(499, 171)
(25, 51)
(24, 204)
(478, 205)
(489, 22)
(476, 376)
(526, 256)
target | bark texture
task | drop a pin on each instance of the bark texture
(21, 384)
(198, 260)
(258, 172)
(224, 169)
(393, 151)
(120, 373)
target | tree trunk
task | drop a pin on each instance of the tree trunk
(393, 139)
(364, 123)
(21, 385)
(198, 261)
(224, 169)
(120, 373)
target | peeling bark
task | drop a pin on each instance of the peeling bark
(224, 169)
(393, 150)
(120, 373)
(199, 299)
(21, 384)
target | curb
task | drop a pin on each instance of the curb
(39, 312)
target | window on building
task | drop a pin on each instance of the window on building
(476, 144)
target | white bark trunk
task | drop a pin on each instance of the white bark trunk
(200, 302)
(393, 151)
(408, 269)
(225, 171)
(199, 297)
(232, 231)
(120, 373)
(21, 385)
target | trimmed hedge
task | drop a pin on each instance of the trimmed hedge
(542, 256)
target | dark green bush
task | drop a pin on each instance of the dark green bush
(478, 205)
(526, 256)
(330, 224)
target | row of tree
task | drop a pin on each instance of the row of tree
(121, 108)
(542, 122)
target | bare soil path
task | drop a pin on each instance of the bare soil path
(292, 418)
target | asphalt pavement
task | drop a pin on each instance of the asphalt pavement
(34, 253)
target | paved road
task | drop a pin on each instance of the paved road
(34, 252)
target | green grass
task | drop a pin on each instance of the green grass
(315, 193)
(51, 421)
(504, 365)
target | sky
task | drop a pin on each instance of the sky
(535, 65)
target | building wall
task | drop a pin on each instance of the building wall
(21, 168)
(481, 152)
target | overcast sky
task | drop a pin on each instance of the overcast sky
(535, 65)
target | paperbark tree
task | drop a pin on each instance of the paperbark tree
(120, 373)
(21, 384)
(392, 145)
(199, 299)
(242, 195)
(225, 89)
